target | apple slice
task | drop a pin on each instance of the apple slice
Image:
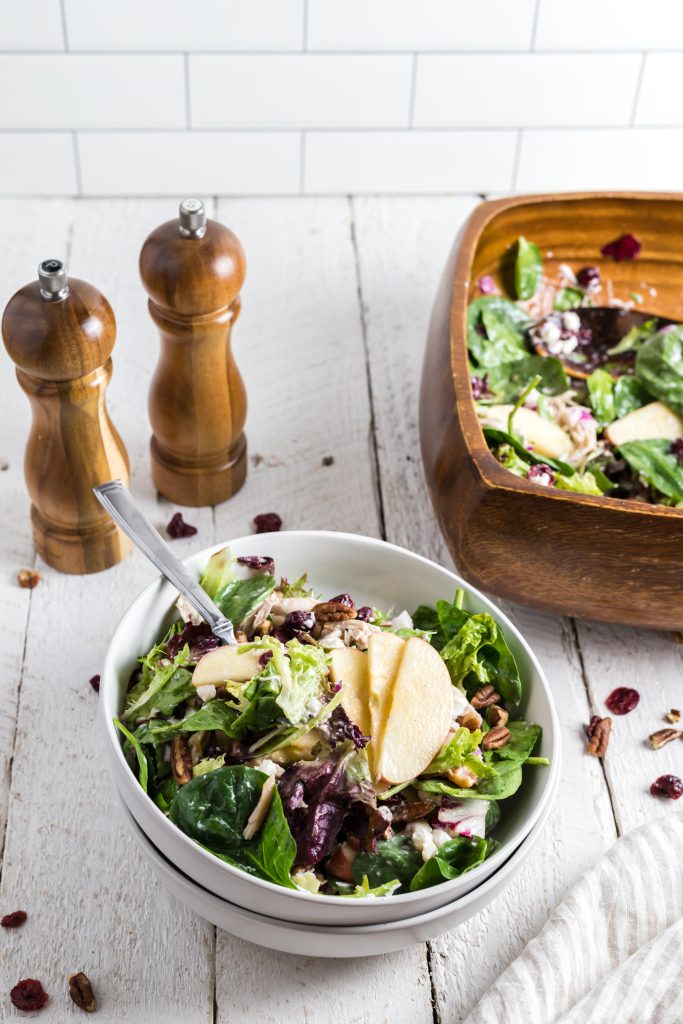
(350, 668)
(546, 437)
(385, 651)
(649, 423)
(420, 714)
(225, 663)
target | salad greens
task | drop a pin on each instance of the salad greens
(268, 772)
(575, 388)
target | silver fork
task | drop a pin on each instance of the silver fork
(115, 497)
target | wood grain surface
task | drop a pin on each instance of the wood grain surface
(338, 301)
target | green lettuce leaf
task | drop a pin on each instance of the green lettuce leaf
(507, 781)
(454, 858)
(215, 714)
(528, 268)
(459, 751)
(220, 569)
(478, 654)
(395, 859)
(143, 771)
(655, 463)
(507, 380)
(500, 337)
(239, 598)
(629, 394)
(659, 367)
(163, 685)
(601, 395)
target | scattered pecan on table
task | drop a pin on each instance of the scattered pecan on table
(673, 716)
(28, 578)
(598, 731)
(663, 736)
(81, 992)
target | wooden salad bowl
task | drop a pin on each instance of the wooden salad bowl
(572, 554)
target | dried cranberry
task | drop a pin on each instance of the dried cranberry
(588, 278)
(479, 387)
(179, 528)
(29, 994)
(541, 474)
(364, 613)
(14, 919)
(300, 621)
(486, 284)
(281, 634)
(95, 683)
(265, 658)
(667, 785)
(267, 522)
(342, 599)
(590, 728)
(622, 700)
(626, 247)
(677, 450)
(264, 562)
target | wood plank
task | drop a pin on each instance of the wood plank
(23, 222)
(300, 347)
(651, 663)
(93, 905)
(402, 247)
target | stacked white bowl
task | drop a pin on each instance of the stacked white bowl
(383, 576)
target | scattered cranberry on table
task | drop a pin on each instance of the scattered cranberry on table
(179, 528)
(95, 683)
(622, 700)
(626, 247)
(13, 920)
(667, 785)
(29, 994)
(267, 522)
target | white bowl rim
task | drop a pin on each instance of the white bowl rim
(497, 858)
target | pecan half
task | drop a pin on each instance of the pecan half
(81, 992)
(333, 611)
(663, 736)
(408, 811)
(265, 628)
(241, 637)
(484, 697)
(496, 738)
(463, 777)
(599, 737)
(28, 578)
(306, 638)
(496, 715)
(470, 720)
(181, 760)
(674, 715)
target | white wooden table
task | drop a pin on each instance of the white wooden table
(330, 342)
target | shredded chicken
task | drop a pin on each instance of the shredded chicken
(187, 612)
(346, 634)
(578, 422)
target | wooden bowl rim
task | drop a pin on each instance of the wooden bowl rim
(490, 471)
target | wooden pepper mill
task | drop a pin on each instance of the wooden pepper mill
(193, 269)
(60, 332)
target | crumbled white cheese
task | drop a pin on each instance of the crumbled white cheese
(571, 320)
(425, 838)
(307, 880)
(313, 707)
(466, 817)
(206, 692)
(567, 275)
(402, 621)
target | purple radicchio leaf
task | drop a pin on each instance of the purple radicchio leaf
(200, 640)
(339, 727)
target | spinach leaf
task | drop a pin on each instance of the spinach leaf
(143, 770)
(213, 809)
(568, 298)
(394, 859)
(528, 268)
(659, 367)
(655, 463)
(215, 714)
(457, 856)
(523, 738)
(495, 436)
(601, 395)
(238, 598)
(507, 323)
(508, 380)
(507, 781)
(629, 394)
(478, 654)
(492, 817)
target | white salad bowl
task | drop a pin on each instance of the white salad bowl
(377, 574)
(330, 941)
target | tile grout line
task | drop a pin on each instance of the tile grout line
(77, 163)
(516, 158)
(374, 447)
(186, 68)
(413, 91)
(65, 33)
(639, 85)
(534, 27)
(304, 20)
(574, 634)
(302, 164)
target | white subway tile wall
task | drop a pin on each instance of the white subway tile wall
(268, 97)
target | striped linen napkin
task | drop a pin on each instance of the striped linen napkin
(612, 952)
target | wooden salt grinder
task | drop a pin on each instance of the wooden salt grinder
(193, 269)
(60, 332)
